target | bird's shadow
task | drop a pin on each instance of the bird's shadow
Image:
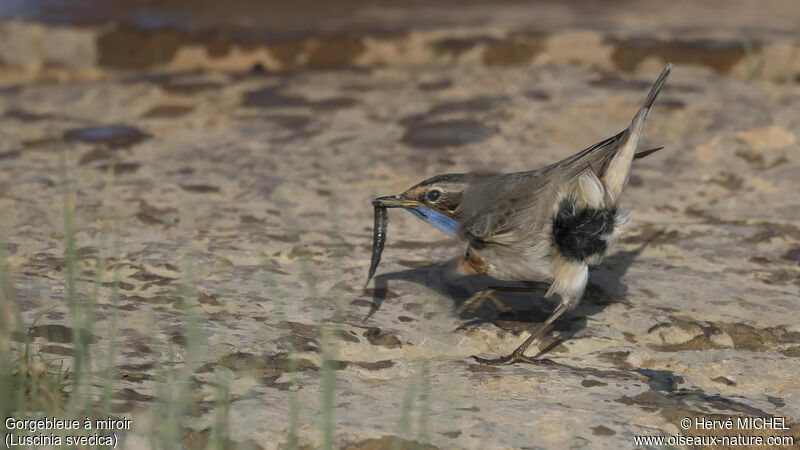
(604, 288)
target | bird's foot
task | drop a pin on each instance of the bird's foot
(477, 300)
(511, 359)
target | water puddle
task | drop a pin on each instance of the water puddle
(112, 136)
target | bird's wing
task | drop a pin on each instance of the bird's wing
(593, 157)
(495, 207)
(643, 153)
(498, 205)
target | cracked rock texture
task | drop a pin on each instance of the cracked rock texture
(694, 313)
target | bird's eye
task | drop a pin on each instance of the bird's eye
(434, 195)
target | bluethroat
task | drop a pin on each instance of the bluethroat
(548, 224)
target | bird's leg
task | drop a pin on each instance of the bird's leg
(477, 300)
(518, 355)
(569, 282)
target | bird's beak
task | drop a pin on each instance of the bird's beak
(394, 201)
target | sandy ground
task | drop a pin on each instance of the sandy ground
(694, 313)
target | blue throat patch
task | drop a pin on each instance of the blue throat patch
(437, 219)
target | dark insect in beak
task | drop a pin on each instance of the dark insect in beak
(378, 238)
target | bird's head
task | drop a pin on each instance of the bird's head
(436, 200)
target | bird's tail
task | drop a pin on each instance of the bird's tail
(651, 96)
(616, 174)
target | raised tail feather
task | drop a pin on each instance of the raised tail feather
(651, 96)
(635, 128)
(615, 174)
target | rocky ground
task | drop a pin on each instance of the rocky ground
(693, 314)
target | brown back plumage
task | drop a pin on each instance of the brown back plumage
(497, 205)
